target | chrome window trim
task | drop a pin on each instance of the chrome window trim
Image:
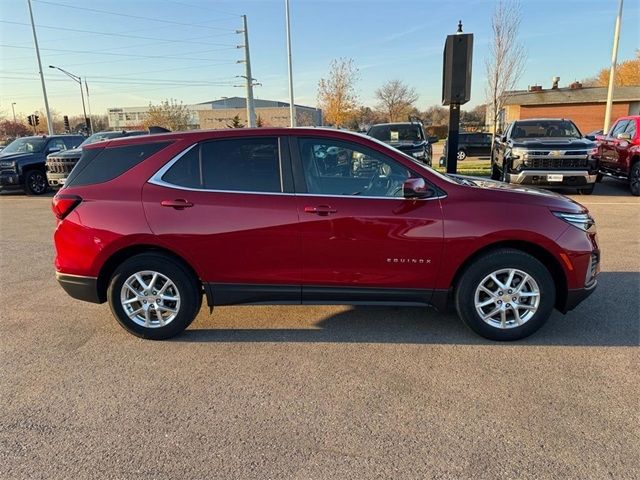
(156, 179)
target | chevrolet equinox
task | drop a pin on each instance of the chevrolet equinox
(151, 224)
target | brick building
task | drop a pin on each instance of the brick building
(584, 105)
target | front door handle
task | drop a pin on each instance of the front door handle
(322, 210)
(178, 204)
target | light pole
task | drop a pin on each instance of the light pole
(13, 108)
(612, 72)
(44, 88)
(79, 80)
(292, 106)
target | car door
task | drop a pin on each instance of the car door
(609, 145)
(623, 160)
(227, 205)
(358, 232)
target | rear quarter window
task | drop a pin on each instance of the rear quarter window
(99, 165)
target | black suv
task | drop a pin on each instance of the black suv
(545, 152)
(408, 137)
(476, 144)
(60, 164)
(22, 162)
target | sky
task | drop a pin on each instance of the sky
(136, 52)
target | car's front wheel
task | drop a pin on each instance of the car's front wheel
(461, 155)
(505, 294)
(35, 183)
(154, 296)
(588, 190)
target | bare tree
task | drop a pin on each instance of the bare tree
(396, 99)
(436, 115)
(337, 94)
(507, 59)
(168, 114)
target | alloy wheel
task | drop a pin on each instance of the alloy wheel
(150, 299)
(37, 183)
(507, 298)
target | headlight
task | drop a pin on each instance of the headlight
(518, 153)
(583, 221)
(8, 164)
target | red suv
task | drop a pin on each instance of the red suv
(310, 216)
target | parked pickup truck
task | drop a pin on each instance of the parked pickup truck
(60, 164)
(619, 152)
(22, 162)
(545, 152)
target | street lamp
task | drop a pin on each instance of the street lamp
(13, 108)
(79, 80)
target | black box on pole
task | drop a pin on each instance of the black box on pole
(456, 69)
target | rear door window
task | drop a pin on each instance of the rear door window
(104, 164)
(235, 165)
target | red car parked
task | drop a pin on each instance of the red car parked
(619, 152)
(310, 216)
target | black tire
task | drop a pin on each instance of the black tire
(493, 261)
(634, 179)
(599, 177)
(35, 183)
(588, 190)
(187, 286)
(462, 155)
(504, 174)
(495, 171)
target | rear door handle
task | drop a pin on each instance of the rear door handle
(178, 204)
(322, 210)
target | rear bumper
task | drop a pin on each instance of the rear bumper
(78, 287)
(570, 178)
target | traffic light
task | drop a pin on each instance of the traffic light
(30, 119)
(67, 128)
(36, 119)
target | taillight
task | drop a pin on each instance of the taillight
(62, 205)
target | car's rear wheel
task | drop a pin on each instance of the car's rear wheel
(35, 183)
(505, 294)
(461, 155)
(634, 179)
(154, 296)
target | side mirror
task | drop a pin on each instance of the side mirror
(624, 136)
(416, 188)
(503, 138)
(433, 139)
(598, 137)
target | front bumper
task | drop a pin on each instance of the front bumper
(570, 178)
(575, 297)
(56, 179)
(10, 180)
(79, 287)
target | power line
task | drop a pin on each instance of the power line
(90, 52)
(124, 35)
(138, 17)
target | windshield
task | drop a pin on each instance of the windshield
(545, 129)
(397, 133)
(100, 136)
(26, 145)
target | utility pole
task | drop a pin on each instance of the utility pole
(13, 108)
(251, 112)
(612, 72)
(76, 78)
(292, 106)
(44, 88)
(86, 87)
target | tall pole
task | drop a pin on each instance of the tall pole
(251, 113)
(612, 72)
(84, 110)
(292, 106)
(13, 108)
(44, 88)
(86, 87)
(452, 139)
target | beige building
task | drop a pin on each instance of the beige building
(269, 113)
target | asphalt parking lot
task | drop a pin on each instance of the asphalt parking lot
(316, 392)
